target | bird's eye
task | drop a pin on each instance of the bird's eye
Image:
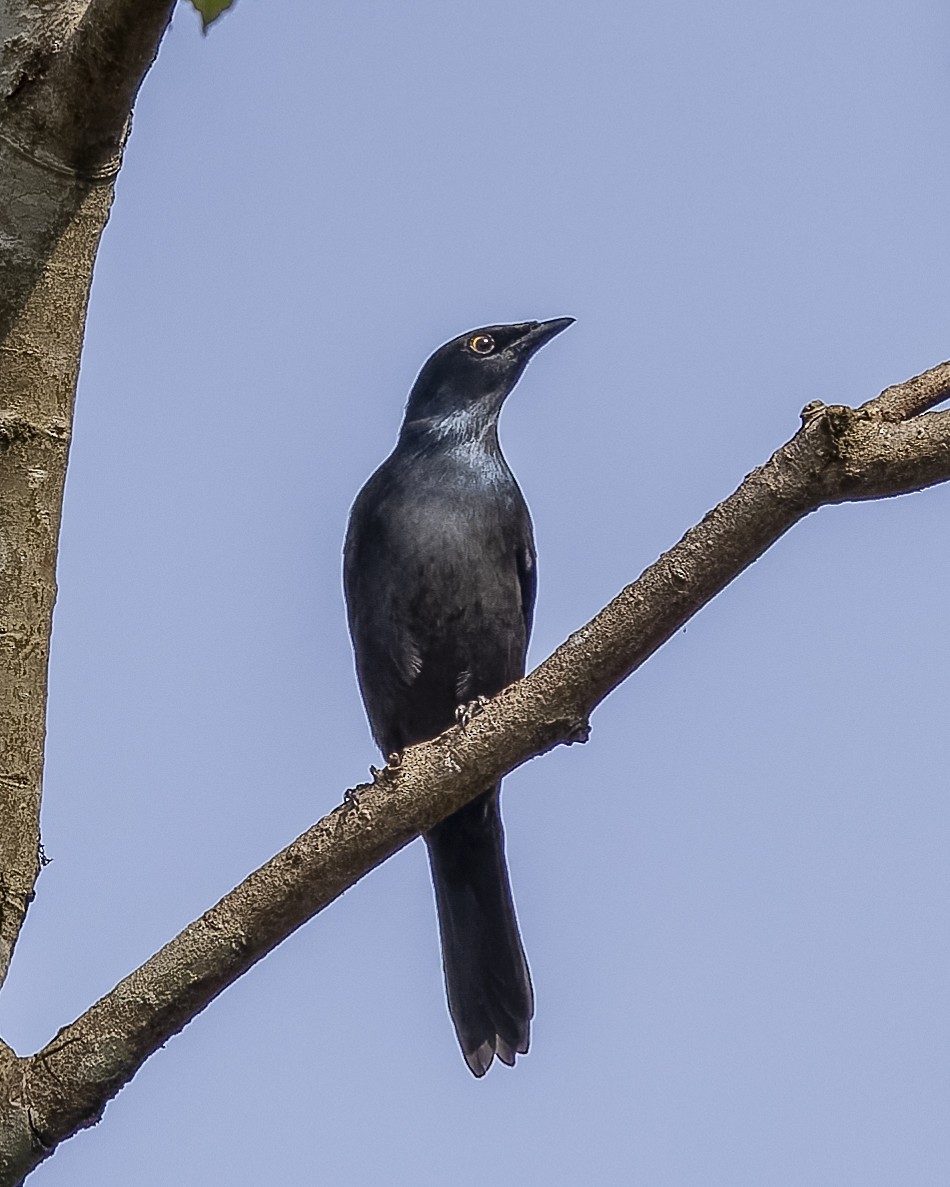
(482, 344)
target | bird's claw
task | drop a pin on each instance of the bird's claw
(384, 774)
(464, 714)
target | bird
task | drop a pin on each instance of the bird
(440, 577)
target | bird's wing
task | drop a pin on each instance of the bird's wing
(407, 657)
(528, 580)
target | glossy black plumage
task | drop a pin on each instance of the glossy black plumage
(439, 574)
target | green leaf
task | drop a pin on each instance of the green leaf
(210, 10)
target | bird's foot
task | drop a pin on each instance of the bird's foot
(385, 774)
(465, 714)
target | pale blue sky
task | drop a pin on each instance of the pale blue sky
(736, 898)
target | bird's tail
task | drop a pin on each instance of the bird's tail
(486, 974)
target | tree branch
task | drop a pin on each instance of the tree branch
(69, 72)
(883, 448)
(68, 96)
(917, 395)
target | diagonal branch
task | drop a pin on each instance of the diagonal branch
(916, 395)
(839, 454)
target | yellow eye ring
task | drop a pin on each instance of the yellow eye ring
(482, 344)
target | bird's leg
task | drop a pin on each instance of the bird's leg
(384, 774)
(471, 709)
(393, 763)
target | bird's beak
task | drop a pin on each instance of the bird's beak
(540, 333)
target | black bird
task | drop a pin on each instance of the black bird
(439, 574)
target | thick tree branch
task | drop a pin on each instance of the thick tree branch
(838, 455)
(69, 72)
(98, 69)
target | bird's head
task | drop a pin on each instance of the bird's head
(466, 381)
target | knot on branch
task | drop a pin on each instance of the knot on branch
(15, 430)
(577, 731)
(834, 424)
(835, 419)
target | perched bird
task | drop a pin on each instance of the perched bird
(439, 575)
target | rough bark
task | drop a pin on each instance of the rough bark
(889, 446)
(69, 72)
